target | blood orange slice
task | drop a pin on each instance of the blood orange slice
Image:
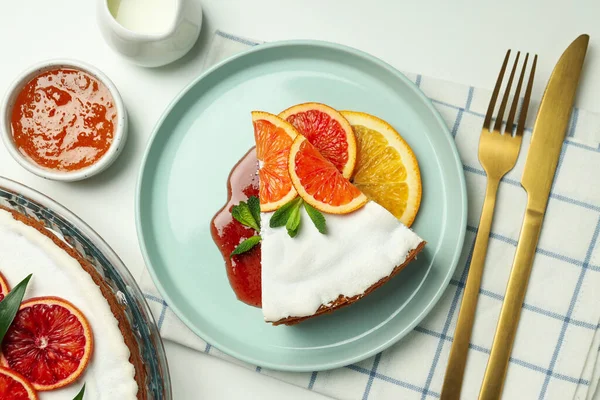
(50, 343)
(273, 137)
(319, 182)
(13, 386)
(4, 288)
(328, 131)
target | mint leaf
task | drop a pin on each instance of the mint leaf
(317, 218)
(246, 245)
(281, 216)
(242, 213)
(293, 222)
(80, 394)
(254, 205)
(10, 305)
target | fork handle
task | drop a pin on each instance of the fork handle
(462, 335)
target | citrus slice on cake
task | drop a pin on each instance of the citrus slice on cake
(4, 288)
(319, 182)
(49, 342)
(386, 169)
(273, 137)
(328, 131)
(13, 386)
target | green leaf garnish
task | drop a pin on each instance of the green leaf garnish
(243, 214)
(293, 222)
(254, 205)
(317, 218)
(80, 394)
(246, 245)
(289, 215)
(10, 305)
(281, 216)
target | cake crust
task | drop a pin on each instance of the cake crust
(343, 301)
(115, 306)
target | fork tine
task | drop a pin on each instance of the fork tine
(523, 116)
(490, 110)
(500, 116)
(515, 103)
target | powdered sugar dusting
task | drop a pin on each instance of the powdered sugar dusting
(302, 273)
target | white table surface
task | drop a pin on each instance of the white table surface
(461, 40)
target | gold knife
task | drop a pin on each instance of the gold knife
(546, 143)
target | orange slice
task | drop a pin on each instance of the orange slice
(328, 131)
(273, 137)
(4, 288)
(319, 182)
(49, 342)
(13, 386)
(386, 170)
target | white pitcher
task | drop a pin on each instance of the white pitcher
(150, 33)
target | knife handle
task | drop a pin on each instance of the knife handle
(495, 373)
(457, 361)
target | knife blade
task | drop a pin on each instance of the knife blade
(540, 166)
(551, 124)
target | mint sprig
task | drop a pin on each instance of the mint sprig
(248, 213)
(293, 223)
(254, 206)
(246, 245)
(9, 306)
(282, 215)
(289, 215)
(80, 394)
(316, 217)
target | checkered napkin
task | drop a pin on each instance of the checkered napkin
(556, 353)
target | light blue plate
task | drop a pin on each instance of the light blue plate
(207, 129)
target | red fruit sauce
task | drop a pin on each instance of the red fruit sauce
(64, 119)
(243, 269)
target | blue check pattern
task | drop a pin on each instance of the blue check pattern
(563, 311)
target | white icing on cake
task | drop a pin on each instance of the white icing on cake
(302, 273)
(24, 250)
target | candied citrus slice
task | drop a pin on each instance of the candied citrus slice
(14, 386)
(4, 288)
(386, 169)
(328, 131)
(49, 342)
(319, 182)
(273, 137)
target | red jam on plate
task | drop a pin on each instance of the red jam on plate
(243, 269)
(64, 119)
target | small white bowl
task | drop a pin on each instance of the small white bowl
(119, 135)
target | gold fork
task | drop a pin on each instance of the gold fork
(498, 154)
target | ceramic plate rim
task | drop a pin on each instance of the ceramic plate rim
(371, 351)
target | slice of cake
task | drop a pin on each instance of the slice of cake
(312, 273)
(318, 213)
(354, 247)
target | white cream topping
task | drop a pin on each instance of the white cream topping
(24, 251)
(302, 273)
